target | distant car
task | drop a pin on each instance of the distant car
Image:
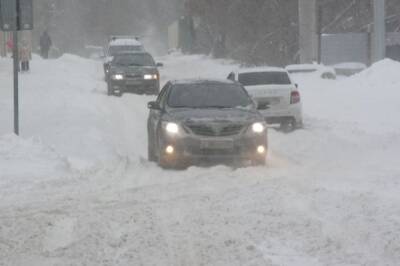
(277, 97)
(133, 72)
(349, 68)
(324, 72)
(196, 120)
(120, 44)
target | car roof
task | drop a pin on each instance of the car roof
(202, 81)
(260, 69)
(131, 53)
(125, 42)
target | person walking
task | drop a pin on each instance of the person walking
(24, 55)
(45, 45)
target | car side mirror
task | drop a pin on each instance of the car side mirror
(160, 64)
(231, 76)
(154, 106)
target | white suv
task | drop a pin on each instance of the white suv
(277, 97)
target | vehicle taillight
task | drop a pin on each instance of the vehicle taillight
(295, 97)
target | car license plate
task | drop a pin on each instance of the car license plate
(211, 144)
(133, 82)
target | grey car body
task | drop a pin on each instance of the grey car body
(214, 123)
(133, 72)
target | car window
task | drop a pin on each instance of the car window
(264, 78)
(134, 60)
(207, 95)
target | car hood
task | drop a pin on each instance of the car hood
(133, 70)
(198, 116)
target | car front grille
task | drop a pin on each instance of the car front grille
(216, 131)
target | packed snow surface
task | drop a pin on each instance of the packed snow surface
(76, 188)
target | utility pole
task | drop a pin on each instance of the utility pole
(16, 68)
(308, 31)
(379, 33)
(319, 31)
(16, 15)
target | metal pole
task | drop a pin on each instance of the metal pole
(379, 39)
(319, 31)
(16, 69)
(308, 41)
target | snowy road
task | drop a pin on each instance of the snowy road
(76, 188)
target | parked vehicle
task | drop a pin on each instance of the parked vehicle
(277, 97)
(322, 71)
(349, 68)
(197, 120)
(120, 44)
(133, 72)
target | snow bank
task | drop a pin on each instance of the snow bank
(26, 160)
(367, 101)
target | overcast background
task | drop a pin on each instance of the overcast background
(255, 31)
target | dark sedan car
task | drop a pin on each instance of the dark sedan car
(133, 72)
(198, 120)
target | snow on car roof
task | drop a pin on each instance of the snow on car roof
(199, 81)
(125, 42)
(261, 69)
(350, 65)
(302, 67)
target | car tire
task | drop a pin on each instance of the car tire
(150, 151)
(109, 89)
(288, 126)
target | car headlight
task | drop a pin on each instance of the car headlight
(172, 128)
(118, 76)
(150, 76)
(258, 128)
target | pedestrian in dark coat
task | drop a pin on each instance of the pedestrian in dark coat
(45, 45)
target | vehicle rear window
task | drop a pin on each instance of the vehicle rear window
(115, 49)
(264, 78)
(208, 95)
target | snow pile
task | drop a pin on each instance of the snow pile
(27, 160)
(367, 101)
(63, 104)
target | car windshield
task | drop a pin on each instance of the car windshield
(115, 49)
(264, 78)
(208, 95)
(134, 60)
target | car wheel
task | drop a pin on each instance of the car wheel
(109, 89)
(288, 126)
(150, 151)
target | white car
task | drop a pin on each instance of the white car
(322, 71)
(277, 97)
